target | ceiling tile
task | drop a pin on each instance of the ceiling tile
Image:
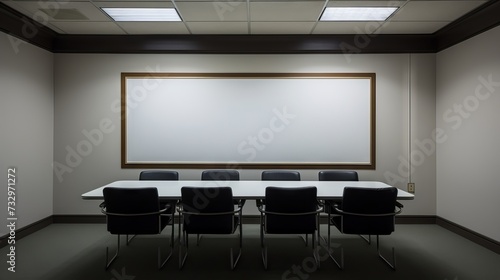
(281, 27)
(399, 27)
(434, 10)
(154, 27)
(286, 11)
(74, 27)
(53, 8)
(214, 11)
(347, 27)
(218, 27)
(365, 3)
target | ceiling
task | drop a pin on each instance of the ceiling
(241, 17)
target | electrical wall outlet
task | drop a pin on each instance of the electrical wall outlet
(411, 187)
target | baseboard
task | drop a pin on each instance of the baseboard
(27, 230)
(471, 235)
(254, 219)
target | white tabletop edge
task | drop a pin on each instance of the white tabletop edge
(244, 189)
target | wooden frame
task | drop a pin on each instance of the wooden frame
(148, 86)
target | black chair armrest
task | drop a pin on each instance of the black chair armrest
(342, 212)
(262, 209)
(160, 212)
(235, 211)
(241, 202)
(259, 202)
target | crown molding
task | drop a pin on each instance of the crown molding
(481, 19)
(20, 26)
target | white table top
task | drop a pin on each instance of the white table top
(245, 189)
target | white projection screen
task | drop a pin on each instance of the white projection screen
(248, 120)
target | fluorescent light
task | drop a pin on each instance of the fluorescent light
(143, 14)
(357, 13)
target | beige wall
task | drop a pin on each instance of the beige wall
(26, 129)
(61, 109)
(88, 88)
(468, 161)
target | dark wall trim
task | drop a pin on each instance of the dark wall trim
(20, 26)
(245, 44)
(480, 20)
(27, 230)
(473, 236)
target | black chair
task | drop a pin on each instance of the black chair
(289, 210)
(280, 175)
(277, 175)
(222, 175)
(161, 175)
(369, 211)
(208, 210)
(135, 211)
(336, 175)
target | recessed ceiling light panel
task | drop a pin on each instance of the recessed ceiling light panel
(142, 14)
(357, 13)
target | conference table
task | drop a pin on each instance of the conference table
(328, 190)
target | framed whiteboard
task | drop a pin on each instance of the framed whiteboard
(248, 120)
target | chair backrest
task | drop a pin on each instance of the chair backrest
(369, 201)
(338, 175)
(220, 175)
(280, 175)
(165, 175)
(208, 200)
(124, 201)
(291, 200)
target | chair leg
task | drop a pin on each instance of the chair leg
(264, 256)
(328, 223)
(368, 240)
(234, 262)
(161, 263)
(183, 257)
(263, 248)
(183, 237)
(391, 265)
(339, 263)
(108, 263)
(130, 240)
(315, 251)
(305, 239)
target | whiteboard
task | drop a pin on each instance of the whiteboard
(248, 120)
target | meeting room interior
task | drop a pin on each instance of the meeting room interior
(249, 139)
